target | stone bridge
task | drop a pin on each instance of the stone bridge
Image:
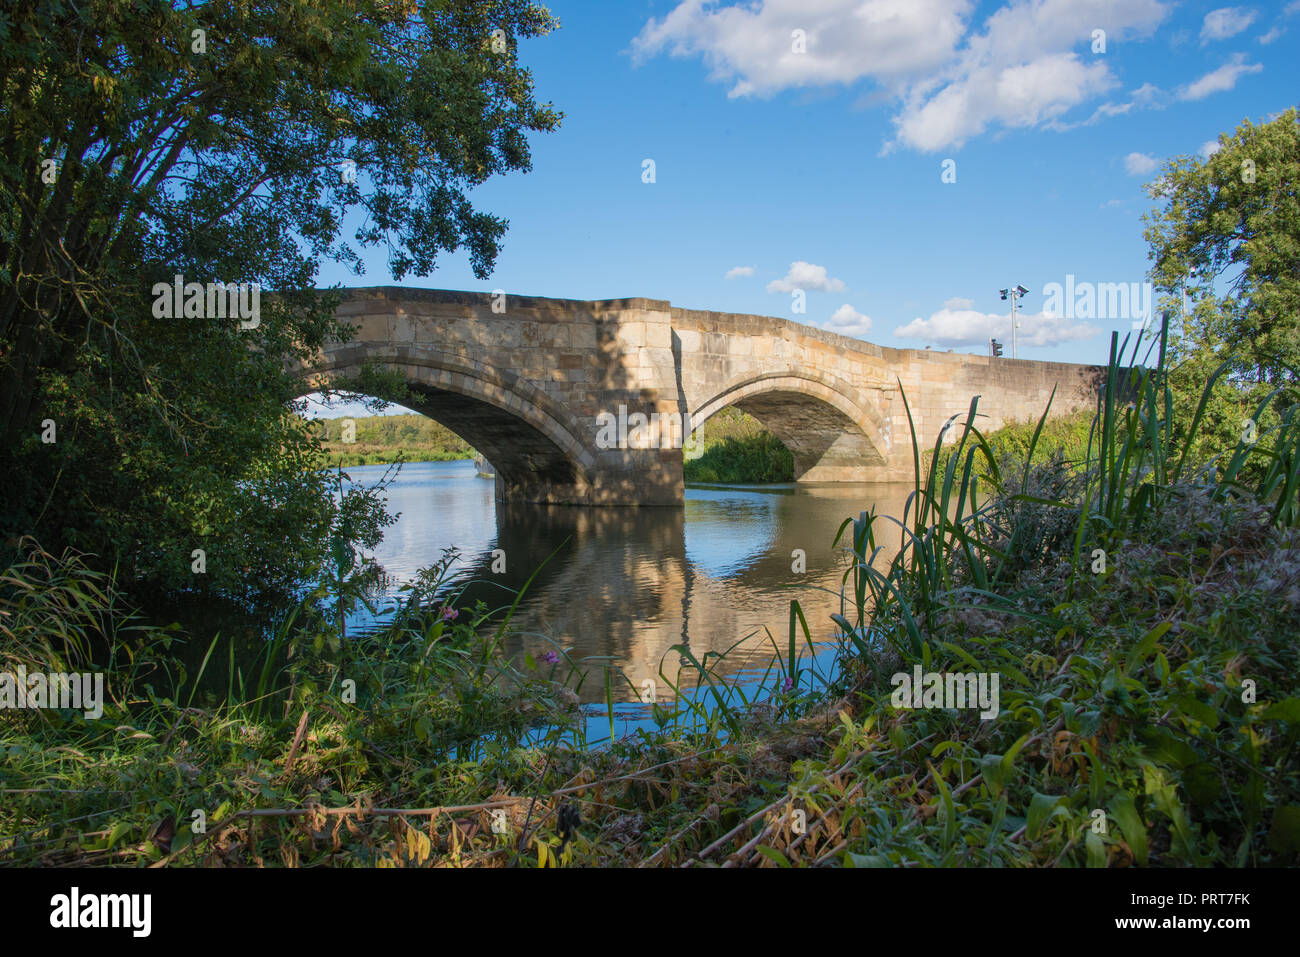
(531, 382)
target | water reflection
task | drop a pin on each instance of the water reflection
(626, 584)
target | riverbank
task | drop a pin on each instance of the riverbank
(1127, 623)
(385, 439)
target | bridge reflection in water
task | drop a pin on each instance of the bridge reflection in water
(629, 583)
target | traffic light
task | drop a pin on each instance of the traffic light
(997, 348)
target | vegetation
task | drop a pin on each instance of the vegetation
(385, 439)
(224, 143)
(1145, 709)
(734, 447)
(1225, 234)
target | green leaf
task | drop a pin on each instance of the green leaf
(773, 855)
(1145, 646)
(1096, 849)
(1123, 811)
(994, 773)
(1164, 748)
(868, 860)
(1288, 709)
(1042, 808)
(120, 828)
(1197, 710)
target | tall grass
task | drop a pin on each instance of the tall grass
(1119, 597)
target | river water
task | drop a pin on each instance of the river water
(627, 584)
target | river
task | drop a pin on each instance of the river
(627, 584)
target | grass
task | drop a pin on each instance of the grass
(1138, 606)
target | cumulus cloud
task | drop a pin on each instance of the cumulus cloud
(1225, 22)
(1139, 164)
(952, 83)
(1208, 149)
(1271, 35)
(969, 327)
(802, 275)
(847, 321)
(1016, 96)
(1220, 80)
(736, 271)
(752, 46)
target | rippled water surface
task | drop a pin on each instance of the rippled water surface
(629, 583)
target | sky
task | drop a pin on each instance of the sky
(898, 162)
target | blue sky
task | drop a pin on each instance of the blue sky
(823, 170)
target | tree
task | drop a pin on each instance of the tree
(1231, 222)
(223, 142)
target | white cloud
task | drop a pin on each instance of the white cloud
(847, 321)
(1208, 149)
(1217, 81)
(802, 275)
(969, 327)
(1225, 22)
(1015, 96)
(751, 46)
(1023, 70)
(1272, 35)
(957, 302)
(737, 271)
(1139, 164)
(1146, 96)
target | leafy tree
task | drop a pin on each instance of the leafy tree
(1231, 223)
(225, 142)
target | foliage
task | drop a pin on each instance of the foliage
(224, 155)
(735, 447)
(1234, 219)
(381, 439)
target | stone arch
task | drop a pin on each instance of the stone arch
(832, 430)
(530, 440)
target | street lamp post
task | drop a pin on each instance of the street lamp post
(1013, 294)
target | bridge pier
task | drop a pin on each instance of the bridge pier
(629, 477)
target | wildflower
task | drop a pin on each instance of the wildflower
(550, 658)
(448, 613)
(787, 685)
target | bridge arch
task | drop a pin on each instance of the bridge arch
(530, 440)
(833, 432)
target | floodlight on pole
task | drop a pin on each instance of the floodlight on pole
(1014, 294)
